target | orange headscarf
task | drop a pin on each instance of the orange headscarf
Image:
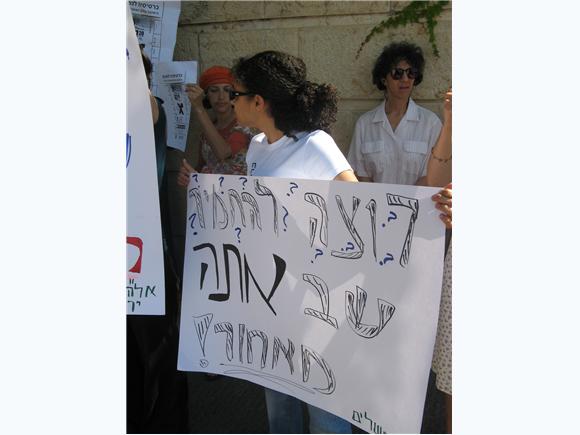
(215, 75)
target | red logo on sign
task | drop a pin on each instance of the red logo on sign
(136, 241)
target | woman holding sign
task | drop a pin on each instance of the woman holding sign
(271, 94)
(223, 143)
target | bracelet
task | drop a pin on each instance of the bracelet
(439, 159)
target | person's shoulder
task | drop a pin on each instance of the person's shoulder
(317, 137)
(370, 115)
(427, 115)
(258, 139)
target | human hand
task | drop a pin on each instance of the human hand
(185, 172)
(447, 106)
(443, 203)
(195, 94)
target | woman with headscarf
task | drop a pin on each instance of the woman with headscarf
(223, 143)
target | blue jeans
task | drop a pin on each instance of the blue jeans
(285, 416)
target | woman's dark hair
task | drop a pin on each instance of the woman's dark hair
(295, 103)
(394, 53)
(147, 65)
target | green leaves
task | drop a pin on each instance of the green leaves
(417, 12)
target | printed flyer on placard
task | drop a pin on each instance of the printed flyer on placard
(156, 28)
(171, 79)
(324, 290)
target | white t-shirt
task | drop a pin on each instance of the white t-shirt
(314, 155)
(398, 157)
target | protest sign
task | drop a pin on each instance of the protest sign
(145, 275)
(156, 29)
(325, 290)
(171, 79)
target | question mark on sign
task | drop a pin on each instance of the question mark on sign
(194, 176)
(284, 218)
(245, 180)
(238, 230)
(292, 186)
(392, 216)
(221, 181)
(389, 257)
(349, 247)
(318, 252)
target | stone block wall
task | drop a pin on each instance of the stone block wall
(325, 34)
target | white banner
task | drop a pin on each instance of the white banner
(327, 291)
(156, 28)
(145, 274)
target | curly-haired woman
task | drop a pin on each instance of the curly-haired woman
(392, 142)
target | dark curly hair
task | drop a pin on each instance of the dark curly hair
(392, 54)
(295, 103)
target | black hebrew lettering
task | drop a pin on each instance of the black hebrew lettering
(413, 204)
(224, 212)
(229, 330)
(288, 353)
(307, 355)
(318, 201)
(372, 208)
(262, 190)
(279, 263)
(280, 270)
(201, 324)
(224, 297)
(356, 416)
(322, 289)
(255, 219)
(199, 205)
(150, 289)
(349, 222)
(204, 265)
(261, 335)
(355, 309)
(235, 199)
(133, 304)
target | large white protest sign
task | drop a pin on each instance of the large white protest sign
(156, 28)
(171, 79)
(145, 275)
(327, 291)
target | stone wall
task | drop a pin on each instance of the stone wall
(325, 34)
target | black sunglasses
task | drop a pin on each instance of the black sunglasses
(236, 94)
(397, 73)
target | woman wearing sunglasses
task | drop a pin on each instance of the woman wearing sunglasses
(273, 95)
(392, 142)
(223, 143)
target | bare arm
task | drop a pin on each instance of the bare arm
(154, 108)
(347, 175)
(218, 144)
(439, 164)
(364, 179)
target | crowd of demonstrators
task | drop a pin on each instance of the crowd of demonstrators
(156, 391)
(398, 142)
